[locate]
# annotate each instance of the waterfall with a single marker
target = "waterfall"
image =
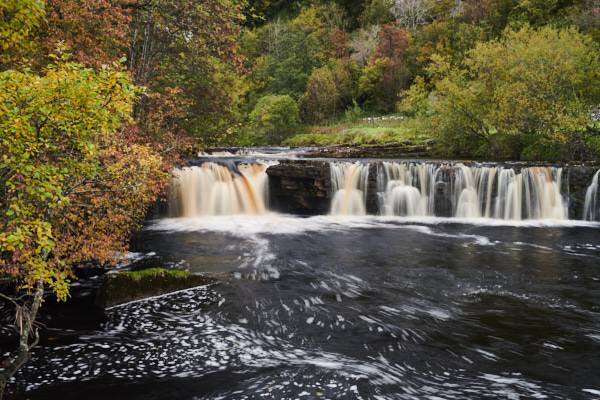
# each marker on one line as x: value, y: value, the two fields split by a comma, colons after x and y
x: 349, y: 185
x: 591, y: 212
x: 408, y: 189
x: 213, y: 189
x: 412, y: 189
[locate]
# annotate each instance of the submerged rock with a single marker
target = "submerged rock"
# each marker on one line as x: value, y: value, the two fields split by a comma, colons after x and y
x: 123, y: 287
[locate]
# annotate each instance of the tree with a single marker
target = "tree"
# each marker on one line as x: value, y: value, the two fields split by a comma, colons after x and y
x: 412, y: 13
x: 74, y: 181
x: 186, y: 53
x: 586, y: 16
x: 363, y: 44
x: 289, y: 68
x: 320, y: 20
x: 93, y: 31
x: 321, y: 99
x: 526, y: 95
x: 387, y: 75
x: 377, y: 12
x: 269, y: 10
x: 18, y: 18
x: 327, y: 23
x: 274, y: 117
x: 492, y: 15
x: 450, y: 39
x: 330, y: 91
x: 338, y: 46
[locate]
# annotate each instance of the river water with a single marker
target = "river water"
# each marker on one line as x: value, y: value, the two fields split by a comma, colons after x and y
x: 344, y: 308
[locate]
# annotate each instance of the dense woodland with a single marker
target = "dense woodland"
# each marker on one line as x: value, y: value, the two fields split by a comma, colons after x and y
x: 486, y: 78
x: 99, y: 99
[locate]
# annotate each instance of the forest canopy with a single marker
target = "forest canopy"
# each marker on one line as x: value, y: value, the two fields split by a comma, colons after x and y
x: 206, y: 65
x: 483, y: 78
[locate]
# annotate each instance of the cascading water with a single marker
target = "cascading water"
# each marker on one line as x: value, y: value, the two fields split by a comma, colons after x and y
x: 411, y: 189
x: 349, y: 184
x: 408, y: 189
x: 591, y: 211
x: 213, y: 189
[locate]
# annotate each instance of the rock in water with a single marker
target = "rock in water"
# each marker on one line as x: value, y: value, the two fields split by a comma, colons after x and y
x: 123, y: 287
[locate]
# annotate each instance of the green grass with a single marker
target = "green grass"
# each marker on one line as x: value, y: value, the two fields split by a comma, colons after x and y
x: 381, y: 130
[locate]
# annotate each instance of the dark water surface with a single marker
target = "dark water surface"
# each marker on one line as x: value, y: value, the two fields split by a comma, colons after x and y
x: 345, y: 308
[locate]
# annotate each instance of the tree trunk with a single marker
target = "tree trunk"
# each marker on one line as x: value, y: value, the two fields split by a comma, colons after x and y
x: 23, y: 352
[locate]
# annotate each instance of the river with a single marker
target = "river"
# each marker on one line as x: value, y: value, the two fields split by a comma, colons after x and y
x: 343, y: 307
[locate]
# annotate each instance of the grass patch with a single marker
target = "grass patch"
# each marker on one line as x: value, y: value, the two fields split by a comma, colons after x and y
x: 377, y: 130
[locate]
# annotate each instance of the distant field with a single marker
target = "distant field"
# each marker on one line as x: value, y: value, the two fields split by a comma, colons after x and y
x: 385, y: 129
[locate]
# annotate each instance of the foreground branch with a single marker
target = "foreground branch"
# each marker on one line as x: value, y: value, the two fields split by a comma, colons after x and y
x: 23, y: 352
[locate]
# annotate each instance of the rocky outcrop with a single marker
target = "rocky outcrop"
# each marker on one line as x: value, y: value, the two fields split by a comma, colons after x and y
x: 389, y: 150
x: 578, y: 179
x: 304, y: 187
x: 127, y: 286
x: 300, y: 187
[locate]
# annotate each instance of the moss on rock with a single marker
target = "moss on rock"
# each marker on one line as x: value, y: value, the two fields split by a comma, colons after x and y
x: 127, y: 286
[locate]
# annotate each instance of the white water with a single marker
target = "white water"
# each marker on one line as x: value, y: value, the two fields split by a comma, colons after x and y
x: 407, y: 189
x: 473, y: 192
x: 213, y: 190
x: 349, y: 184
x: 590, y: 208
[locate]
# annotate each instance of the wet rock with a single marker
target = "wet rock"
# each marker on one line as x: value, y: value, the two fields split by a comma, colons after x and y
x: 578, y: 178
x: 389, y: 150
x: 300, y: 187
x: 127, y: 286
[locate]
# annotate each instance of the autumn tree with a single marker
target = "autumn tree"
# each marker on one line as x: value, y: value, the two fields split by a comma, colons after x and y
x: 18, y: 19
x: 185, y: 53
x: 527, y: 95
x: 75, y: 183
x: 74, y: 180
x: 330, y: 91
x: 338, y: 45
x: 93, y: 31
x: 387, y: 74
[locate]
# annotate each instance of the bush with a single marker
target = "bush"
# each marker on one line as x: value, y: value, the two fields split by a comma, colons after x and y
x: 354, y: 113
x: 528, y: 95
x: 274, y: 117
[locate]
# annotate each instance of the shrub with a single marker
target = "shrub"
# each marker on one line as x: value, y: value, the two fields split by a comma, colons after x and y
x: 274, y: 117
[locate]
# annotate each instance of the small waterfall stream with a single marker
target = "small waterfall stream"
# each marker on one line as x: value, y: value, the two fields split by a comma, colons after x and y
x: 406, y: 189
x: 212, y: 189
x: 349, y: 185
x: 591, y: 211
x: 413, y: 189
